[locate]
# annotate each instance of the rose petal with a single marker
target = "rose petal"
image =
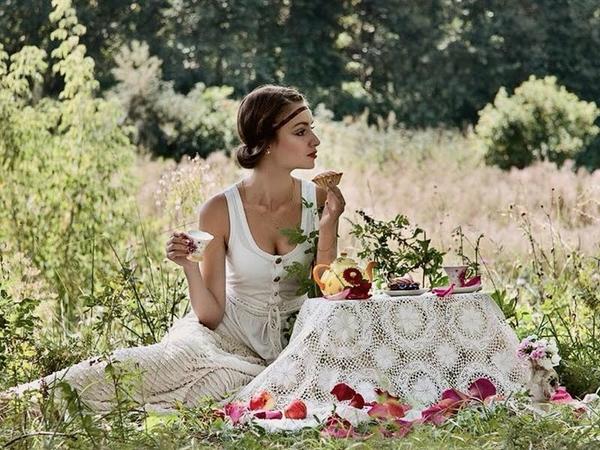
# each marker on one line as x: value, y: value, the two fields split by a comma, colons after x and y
x: 561, y: 396
x: 339, y: 296
x: 357, y: 401
x: 384, y: 395
x: 482, y: 388
x: 454, y: 395
x: 337, y: 427
x: 268, y: 414
x: 390, y: 409
x: 343, y: 392
x: 472, y: 281
x: 443, y: 292
x: 433, y: 414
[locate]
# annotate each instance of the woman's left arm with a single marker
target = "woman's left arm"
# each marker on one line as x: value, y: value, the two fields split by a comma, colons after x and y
x: 333, y: 204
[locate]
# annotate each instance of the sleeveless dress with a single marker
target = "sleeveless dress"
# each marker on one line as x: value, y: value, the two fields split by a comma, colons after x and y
x: 192, y: 362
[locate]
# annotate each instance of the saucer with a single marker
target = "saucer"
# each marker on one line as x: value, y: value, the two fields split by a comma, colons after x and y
x: 406, y: 293
x: 465, y: 290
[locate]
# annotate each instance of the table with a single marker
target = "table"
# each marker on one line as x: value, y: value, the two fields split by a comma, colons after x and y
x: 414, y: 347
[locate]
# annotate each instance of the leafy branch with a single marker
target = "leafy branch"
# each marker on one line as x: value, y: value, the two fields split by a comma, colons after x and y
x: 396, y: 249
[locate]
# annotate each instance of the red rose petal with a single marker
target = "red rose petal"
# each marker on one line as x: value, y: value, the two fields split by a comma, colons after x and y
x: 343, y: 392
x: 357, y: 401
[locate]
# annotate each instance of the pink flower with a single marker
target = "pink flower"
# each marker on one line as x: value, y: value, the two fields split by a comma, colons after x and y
x: 234, y: 411
x: 538, y: 353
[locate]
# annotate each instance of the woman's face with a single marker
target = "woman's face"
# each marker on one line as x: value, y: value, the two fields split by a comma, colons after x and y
x: 295, y: 146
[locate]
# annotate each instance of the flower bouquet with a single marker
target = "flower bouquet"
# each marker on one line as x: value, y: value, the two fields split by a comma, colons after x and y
x: 541, y: 352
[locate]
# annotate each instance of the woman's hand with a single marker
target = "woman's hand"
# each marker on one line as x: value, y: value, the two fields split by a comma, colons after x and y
x: 178, y: 247
x: 333, y: 208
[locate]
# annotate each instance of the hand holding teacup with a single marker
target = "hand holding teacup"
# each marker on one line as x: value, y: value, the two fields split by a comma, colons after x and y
x: 187, y: 248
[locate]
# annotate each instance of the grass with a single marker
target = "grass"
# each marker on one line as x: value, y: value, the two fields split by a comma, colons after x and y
x: 541, y: 235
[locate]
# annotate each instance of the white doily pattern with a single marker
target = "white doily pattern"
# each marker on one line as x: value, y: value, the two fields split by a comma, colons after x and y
x: 414, y: 347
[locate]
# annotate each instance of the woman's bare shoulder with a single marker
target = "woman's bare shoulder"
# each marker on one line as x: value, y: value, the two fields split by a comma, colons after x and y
x: 214, y: 216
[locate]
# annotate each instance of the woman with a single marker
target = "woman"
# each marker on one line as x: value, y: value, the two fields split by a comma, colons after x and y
x: 239, y: 293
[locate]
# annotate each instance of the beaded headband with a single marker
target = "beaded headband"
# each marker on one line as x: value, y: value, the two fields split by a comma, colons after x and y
x: 290, y: 117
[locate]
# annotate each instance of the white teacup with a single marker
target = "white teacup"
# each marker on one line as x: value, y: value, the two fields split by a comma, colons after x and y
x: 455, y: 273
x: 201, y: 239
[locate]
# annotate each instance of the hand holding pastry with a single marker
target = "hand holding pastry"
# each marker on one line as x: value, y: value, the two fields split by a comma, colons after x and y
x: 335, y: 203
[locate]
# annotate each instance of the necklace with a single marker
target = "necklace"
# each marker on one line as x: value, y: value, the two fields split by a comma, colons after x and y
x: 269, y: 216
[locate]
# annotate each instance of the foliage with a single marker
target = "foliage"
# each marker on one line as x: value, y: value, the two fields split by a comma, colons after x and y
x: 396, y: 249
x: 557, y: 294
x: 165, y: 122
x: 302, y: 273
x: 65, y: 164
x: 432, y: 63
x: 541, y: 121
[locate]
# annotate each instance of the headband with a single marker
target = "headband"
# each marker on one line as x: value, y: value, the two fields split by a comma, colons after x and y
x: 290, y: 117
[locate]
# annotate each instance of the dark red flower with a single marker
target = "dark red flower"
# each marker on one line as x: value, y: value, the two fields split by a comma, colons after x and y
x: 353, y: 276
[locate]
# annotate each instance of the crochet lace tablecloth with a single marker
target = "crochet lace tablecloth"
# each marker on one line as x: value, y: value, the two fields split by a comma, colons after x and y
x: 414, y: 347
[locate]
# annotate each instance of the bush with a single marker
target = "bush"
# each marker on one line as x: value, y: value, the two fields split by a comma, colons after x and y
x: 541, y: 121
x: 166, y: 122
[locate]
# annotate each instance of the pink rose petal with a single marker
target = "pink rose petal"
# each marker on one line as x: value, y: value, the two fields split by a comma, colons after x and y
x: 337, y: 427
x: 268, y: 414
x: 339, y: 296
x: 443, y: 292
x: 482, y: 388
x: 472, y: 281
x: 561, y: 396
x: 453, y: 394
x: 433, y: 414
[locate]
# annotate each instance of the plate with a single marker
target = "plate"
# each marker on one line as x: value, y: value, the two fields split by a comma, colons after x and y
x: 406, y: 293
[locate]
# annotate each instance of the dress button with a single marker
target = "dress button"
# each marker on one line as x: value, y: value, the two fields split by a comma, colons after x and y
x: 275, y: 294
x: 276, y: 279
x: 278, y: 260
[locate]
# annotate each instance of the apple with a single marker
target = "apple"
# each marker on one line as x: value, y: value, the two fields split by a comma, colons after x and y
x: 295, y: 410
x: 262, y: 400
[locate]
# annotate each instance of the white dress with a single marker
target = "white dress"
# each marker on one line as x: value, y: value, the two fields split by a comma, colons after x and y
x: 192, y: 361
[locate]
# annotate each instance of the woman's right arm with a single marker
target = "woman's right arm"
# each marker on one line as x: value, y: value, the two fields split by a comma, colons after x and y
x: 206, y: 282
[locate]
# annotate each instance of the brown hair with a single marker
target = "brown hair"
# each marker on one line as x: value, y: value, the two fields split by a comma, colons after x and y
x: 256, y: 120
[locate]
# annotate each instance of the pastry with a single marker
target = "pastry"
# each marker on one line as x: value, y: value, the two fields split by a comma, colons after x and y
x: 327, y: 179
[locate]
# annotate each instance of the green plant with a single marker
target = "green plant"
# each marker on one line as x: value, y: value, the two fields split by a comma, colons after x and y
x: 302, y: 273
x: 473, y: 266
x: 397, y: 249
x: 66, y: 164
x: 541, y: 121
